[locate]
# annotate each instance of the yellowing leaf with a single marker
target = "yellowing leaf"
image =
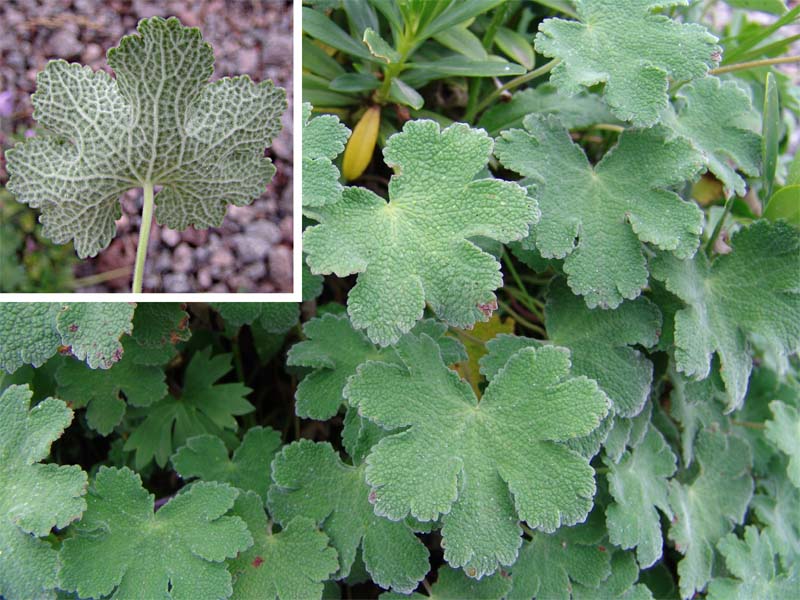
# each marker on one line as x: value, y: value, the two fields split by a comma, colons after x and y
x: 473, y: 341
x: 361, y: 145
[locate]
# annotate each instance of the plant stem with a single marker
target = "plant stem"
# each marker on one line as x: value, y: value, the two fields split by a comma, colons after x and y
x: 514, y: 83
x: 144, y: 238
x: 509, y: 262
x: 100, y: 277
x: 754, y: 64
x: 393, y: 70
x: 522, y: 320
x: 608, y: 127
x: 719, y: 225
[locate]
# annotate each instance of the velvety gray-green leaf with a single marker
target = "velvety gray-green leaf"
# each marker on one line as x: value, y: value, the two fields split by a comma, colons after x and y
x: 597, y: 217
x: 157, y: 122
x: 632, y: 50
x: 414, y: 249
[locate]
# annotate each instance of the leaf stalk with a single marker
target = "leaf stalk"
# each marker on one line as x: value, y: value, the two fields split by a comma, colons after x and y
x: 144, y: 238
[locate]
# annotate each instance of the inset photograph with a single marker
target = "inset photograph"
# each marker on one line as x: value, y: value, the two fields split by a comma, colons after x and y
x: 147, y: 147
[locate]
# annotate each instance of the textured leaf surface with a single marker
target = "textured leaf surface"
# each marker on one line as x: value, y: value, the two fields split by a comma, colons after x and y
x: 414, y: 248
x: 784, y: 431
x: 597, y: 217
x: 601, y: 344
x: 334, y: 350
x: 206, y: 457
x: 31, y: 332
x: 105, y: 391
x: 35, y: 497
x: 293, y: 563
x: 122, y: 546
x: 579, y: 111
x: 754, y: 290
x: 632, y: 50
x: 777, y: 506
x: 160, y: 122
x: 638, y: 485
x: 274, y: 317
x: 752, y: 561
x: 157, y: 328
x: 621, y: 584
x: 324, y: 138
x: 482, y: 466
x: 453, y: 584
x: 707, y: 509
x: 713, y: 117
x: 548, y: 566
x: 312, y: 481
x: 203, y: 407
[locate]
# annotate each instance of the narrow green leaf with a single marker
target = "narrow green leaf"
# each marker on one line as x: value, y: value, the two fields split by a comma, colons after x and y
x: 380, y: 48
x: 775, y: 7
x: 322, y: 28
x: 360, y: 15
x: 515, y: 46
x: 465, y: 67
x: 402, y: 93
x: 458, y: 12
x: 317, y: 61
x: 771, y: 134
x: 355, y: 82
x: 462, y: 40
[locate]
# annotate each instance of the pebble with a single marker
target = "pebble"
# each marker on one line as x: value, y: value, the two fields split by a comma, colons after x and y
x: 183, y: 259
x: 177, y: 282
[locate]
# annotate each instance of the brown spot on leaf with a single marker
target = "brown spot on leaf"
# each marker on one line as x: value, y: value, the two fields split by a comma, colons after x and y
x: 488, y: 308
x: 258, y: 561
x: 73, y: 328
x: 373, y: 496
x: 65, y: 350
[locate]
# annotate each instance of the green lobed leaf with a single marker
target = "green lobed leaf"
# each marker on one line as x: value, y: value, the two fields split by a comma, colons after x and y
x: 206, y: 457
x: 481, y: 467
x: 324, y: 138
x: 106, y: 392
x: 292, y: 563
x: 414, y: 248
x: 32, y: 332
x: 548, y: 565
x: 638, y: 485
x: 708, y: 508
x: 752, y: 561
x: 274, y: 317
x: 453, y: 584
x: 157, y: 328
x: 712, y: 117
x: 581, y: 110
x: 753, y: 291
x: 158, y: 122
x: 122, y: 546
x: 203, y: 407
x: 632, y: 50
x: 312, y: 481
x: 777, y: 506
x: 596, y: 218
x: 35, y: 497
x: 334, y: 350
x: 784, y: 431
x: 621, y: 584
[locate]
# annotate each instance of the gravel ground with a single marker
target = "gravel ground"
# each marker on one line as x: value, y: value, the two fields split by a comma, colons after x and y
x: 252, y: 250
